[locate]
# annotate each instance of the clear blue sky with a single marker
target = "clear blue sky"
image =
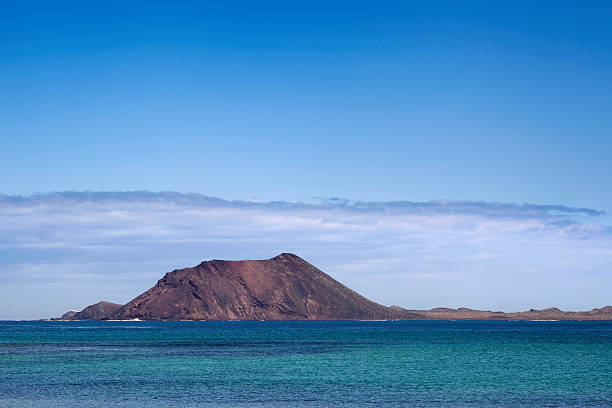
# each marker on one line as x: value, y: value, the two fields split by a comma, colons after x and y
x: 497, y: 101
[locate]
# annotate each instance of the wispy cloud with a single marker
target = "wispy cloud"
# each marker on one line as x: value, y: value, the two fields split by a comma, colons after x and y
x: 79, y: 247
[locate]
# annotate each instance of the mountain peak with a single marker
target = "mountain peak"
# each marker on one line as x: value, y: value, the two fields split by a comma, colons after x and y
x: 287, y: 255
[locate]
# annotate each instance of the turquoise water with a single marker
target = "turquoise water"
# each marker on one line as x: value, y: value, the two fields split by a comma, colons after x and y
x: 306, y: 364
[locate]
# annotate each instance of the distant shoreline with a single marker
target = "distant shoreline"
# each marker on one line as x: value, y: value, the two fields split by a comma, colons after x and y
x: 603, y: 319
x: 283, y: 288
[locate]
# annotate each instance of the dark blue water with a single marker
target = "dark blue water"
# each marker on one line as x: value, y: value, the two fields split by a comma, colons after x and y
x: 306, y: 364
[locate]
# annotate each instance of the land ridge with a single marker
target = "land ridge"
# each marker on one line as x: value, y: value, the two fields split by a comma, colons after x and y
x: 285, y: 287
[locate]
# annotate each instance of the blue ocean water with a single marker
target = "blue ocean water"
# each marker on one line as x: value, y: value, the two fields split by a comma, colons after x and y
x: 306, y: 364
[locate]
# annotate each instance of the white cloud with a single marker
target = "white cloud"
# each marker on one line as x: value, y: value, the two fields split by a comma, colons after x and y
x: 81, y: 247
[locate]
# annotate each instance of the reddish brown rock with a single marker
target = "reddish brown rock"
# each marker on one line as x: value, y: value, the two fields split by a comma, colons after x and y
x: 99, y: 311
x: 68, y: 315
x: 285, y: 287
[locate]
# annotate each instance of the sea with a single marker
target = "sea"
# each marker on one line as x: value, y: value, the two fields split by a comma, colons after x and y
x: 306, y: 364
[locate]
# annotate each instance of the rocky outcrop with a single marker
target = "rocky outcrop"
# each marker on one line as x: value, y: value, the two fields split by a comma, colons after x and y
x: 68, y: 315
x: 99, y: 311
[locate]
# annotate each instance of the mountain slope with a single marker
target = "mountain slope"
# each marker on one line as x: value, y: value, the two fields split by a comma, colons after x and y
x: 285, y: 287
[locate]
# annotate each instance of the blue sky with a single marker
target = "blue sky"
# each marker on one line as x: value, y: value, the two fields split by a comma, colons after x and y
x: 495, y: 102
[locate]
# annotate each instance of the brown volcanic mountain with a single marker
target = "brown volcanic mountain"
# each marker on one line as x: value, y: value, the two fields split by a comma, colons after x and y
x: 285, y: 287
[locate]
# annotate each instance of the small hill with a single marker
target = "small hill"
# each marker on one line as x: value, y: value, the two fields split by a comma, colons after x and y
x: 99, y: 311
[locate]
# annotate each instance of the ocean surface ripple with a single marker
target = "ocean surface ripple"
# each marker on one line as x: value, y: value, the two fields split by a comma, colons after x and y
x: 306, y: 364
